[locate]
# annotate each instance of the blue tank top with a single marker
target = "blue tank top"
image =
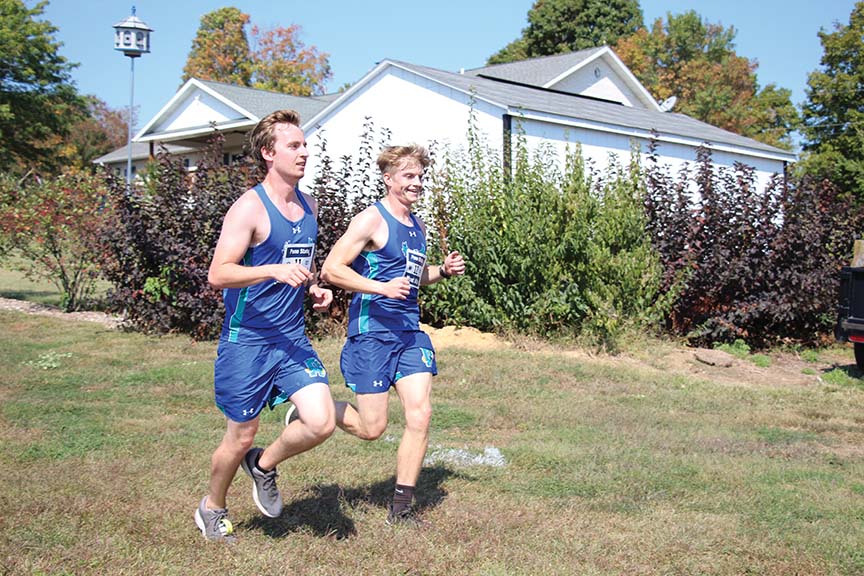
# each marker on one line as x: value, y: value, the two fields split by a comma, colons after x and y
x: 270, y: 312
x: 403, y: 255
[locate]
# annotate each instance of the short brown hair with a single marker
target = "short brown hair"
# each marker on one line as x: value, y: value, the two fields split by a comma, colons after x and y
x: 264, y: 133
x: 392, y: 156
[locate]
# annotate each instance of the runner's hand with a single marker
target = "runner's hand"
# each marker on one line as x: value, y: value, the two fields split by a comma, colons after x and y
x: 292, y: 274
x: 397, y: 288
x: 453, y: 264
x: 321, y: 297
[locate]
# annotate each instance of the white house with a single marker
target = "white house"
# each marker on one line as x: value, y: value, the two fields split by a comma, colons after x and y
x: 587, y: 97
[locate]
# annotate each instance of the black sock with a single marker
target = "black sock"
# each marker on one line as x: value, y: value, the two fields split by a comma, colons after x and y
x: 402, y: 497
x: 258, y: 466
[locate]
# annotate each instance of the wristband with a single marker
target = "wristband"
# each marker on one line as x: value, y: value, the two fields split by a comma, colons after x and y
x: 443, y: 272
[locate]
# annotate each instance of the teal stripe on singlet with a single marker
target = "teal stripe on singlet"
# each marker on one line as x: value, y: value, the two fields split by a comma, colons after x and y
x: 366, y: 299
x: 237, y: 317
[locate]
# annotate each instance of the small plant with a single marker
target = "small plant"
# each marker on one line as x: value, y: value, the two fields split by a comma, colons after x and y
x: 52, y: 226
x: 49, y: 360
x: 739, y: 348
x: 840, y: 377
x: 810, y: 355
x: 761, y: 360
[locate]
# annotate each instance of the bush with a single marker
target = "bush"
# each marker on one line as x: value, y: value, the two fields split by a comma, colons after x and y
x: 162, y: 240
x: 760, y: 266
x: 548, y: 253
x: 54, y: 225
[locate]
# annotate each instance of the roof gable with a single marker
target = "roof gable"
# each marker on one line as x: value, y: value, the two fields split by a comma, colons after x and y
x: 595, y: 72
x: 200, y: 106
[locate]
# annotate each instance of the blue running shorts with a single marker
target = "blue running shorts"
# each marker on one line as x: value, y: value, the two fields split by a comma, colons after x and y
x: 248, y: 377
x: 373, y: 362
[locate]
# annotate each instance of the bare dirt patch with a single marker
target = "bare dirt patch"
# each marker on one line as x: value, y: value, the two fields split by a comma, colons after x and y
x: 786, y: 368
x: 464, y: 337
x: 106, y: 320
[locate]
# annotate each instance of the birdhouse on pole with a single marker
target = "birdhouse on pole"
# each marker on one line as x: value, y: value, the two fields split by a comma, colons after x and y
x: 132, y: 36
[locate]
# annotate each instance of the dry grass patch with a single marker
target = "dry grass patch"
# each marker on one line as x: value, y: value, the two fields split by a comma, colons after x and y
x: 611, y: 466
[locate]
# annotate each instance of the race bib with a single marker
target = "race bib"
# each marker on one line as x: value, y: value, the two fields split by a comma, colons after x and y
x: 415, y: 262
x: 298, y: 254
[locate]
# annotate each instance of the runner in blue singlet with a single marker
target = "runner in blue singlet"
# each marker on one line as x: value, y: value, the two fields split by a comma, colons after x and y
x: 381, y: 258
x: 264, y: 264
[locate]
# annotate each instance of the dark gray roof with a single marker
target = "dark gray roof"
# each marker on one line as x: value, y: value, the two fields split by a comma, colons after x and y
x: 529, y: 98
x: 536, y: 71
x: 140, y: 150
x: 262, y: 102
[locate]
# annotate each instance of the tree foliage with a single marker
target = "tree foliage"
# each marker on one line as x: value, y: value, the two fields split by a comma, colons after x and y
x: 220, y: 50
x: 97, y: 132
x: 696, y: 62
x: 560, y: 26
x: 834, y: 110
x: 38, y: 101
x: 282, y: 63
x: 53, y: 225
x: 275, y: 59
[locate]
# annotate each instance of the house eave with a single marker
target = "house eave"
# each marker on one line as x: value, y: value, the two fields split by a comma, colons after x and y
x: 643, y: 94
x: 195, y: 132
x: 189, y: 86
x: 648, y: 135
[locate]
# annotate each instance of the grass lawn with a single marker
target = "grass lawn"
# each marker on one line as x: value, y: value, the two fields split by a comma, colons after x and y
x: 14, y: 284
x: 605, y: 468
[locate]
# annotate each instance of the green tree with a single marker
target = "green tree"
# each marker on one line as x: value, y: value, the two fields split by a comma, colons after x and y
x: 38, y: 101
x: 277, y: 59
x: 560, y: 26
x: 834, y: 110
x: 220, y: 50
x: 696, y: 62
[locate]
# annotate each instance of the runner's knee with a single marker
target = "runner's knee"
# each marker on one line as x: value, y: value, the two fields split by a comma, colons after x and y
x: 419, y: 417
x: 321, y: 425
x: 374, y: 430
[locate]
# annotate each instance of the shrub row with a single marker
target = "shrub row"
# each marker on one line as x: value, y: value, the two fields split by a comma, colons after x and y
x: 550, y: 251
x: 743, y: 263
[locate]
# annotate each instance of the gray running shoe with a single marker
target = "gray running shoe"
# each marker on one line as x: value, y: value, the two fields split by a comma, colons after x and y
x: 291, y: 415
x: 264, y: 490
x: 214, y: 524
x: 405, y: 517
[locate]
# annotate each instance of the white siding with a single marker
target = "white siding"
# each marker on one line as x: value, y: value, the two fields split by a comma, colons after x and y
x: 601, y: 147
x: 413, y: 109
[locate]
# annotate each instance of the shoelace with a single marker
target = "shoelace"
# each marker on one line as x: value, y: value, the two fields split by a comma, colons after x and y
x: 221, y: 523
x: 269, y: 482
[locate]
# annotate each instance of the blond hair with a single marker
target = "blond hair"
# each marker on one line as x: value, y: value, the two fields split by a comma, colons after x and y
x: 263, y: 136
x: 392, y: 157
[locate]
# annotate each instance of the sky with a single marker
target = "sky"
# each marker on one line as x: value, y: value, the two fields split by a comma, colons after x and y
x: 781, y: 35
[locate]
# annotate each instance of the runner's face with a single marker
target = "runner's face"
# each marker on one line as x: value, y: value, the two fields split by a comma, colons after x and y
x: 406, y: 183
x: 289, y: 152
